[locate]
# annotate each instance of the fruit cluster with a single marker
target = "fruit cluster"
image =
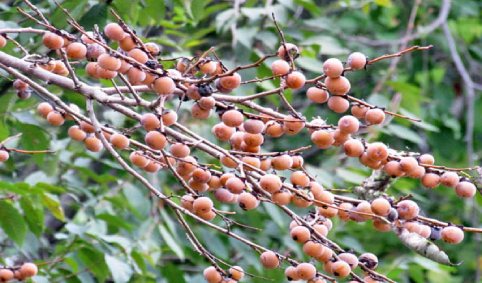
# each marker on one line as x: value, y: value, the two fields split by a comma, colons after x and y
x: 23, y: 272
x: 249, y: 175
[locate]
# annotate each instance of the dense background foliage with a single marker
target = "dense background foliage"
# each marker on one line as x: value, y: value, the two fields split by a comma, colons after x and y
x: 84, y: 219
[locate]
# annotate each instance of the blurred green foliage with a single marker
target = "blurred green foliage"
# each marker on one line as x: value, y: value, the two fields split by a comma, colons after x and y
x: 89, y: 221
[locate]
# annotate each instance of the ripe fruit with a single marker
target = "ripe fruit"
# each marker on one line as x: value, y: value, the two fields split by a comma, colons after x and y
x: 76, y: 50
x: 333, y: 68
x: 408, y: 164
x: 377, y: 151
x: 164, y: 86
x: 282, y: 162
x: 155, y: 140
x: 306, y: 271
x: 297, y: 161
x: 127, y: 43
x: 343, y: 212
x: 187, y: 201
x: 274, y: 129
x: 55, y: 118
x: 381, y: 206
x: 230, y: 82
x: 313, y: 249
x: 452, y: 235
x: 109, y: 62
x: 235, y: 185
x: 114, y: 32
x: 281, y: 197
x: 136, y: 76
x: 338, y: 104
x: 300, y: 234
x: 4, y: 155
x: 104, y: 73
x: 44, y: 108
x: 153, y: 48
x: 269, y: 260
x: 295, y: 80
x: 152, y: 167
x: 288, y: 50
x: 359, y: 111
x: 393, y: 169
x: 119, y: 141
x: 253, y: 126
x: 91, y: 69
x: 326, y: 255
x: 212, y: 275
x: 93, y: 144
x: 299, y: 178
x: 6, y: 275
x: 353, y: 148
x: 150, y: 122
x: 28, y: 269
x: 271, y: 183
x: 199, y: 113
x: 291, y: 273
x: 375, y: 116
x: 361, y: 211
x: 407, y: 209
x: 426, y: 159
x: 76, y: 133
x: 94, y: 50
x: 138, y: 159
x: 338, y: 86
x: 369, y: 260
x: 202, y: 205
x: 138, y: 55
x: 53, y: 41
x: 222, y: 132
x: 340, y: 269
x: 449, y: 179
x: 418, y: 172
x: 180, y: 150
x: 317, y: 95
x: 247, y: 201
x: 3, y: 41
x: 293, y: 125
x: 322, y: 138
x: 60, y: 68
x: 253, y: 139
x: 348, y: 124
x: 208, y: 216
x: 357, y: 60
x: 169, y: 118
x: 381, y: 226
x: 200, y: 175
x: 349, y: 258
x: 430, y: 180
x: 465, y: 189
x: 280, y: 67
x: 236, y: 272
x: 232, y: 118
x: 20, y: 85
x: 208, y: 67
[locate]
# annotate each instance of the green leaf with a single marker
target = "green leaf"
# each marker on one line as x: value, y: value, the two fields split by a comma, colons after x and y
x: 171, y: 242
x: 53, y: 204
x: 173, y: 274
x: 384, y: 3
x: 404, y: 133
x: 94, y: 261
x: 121, y: 272
x: 12, y: 222
x: 96, y: 15
x: 34, y: 214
